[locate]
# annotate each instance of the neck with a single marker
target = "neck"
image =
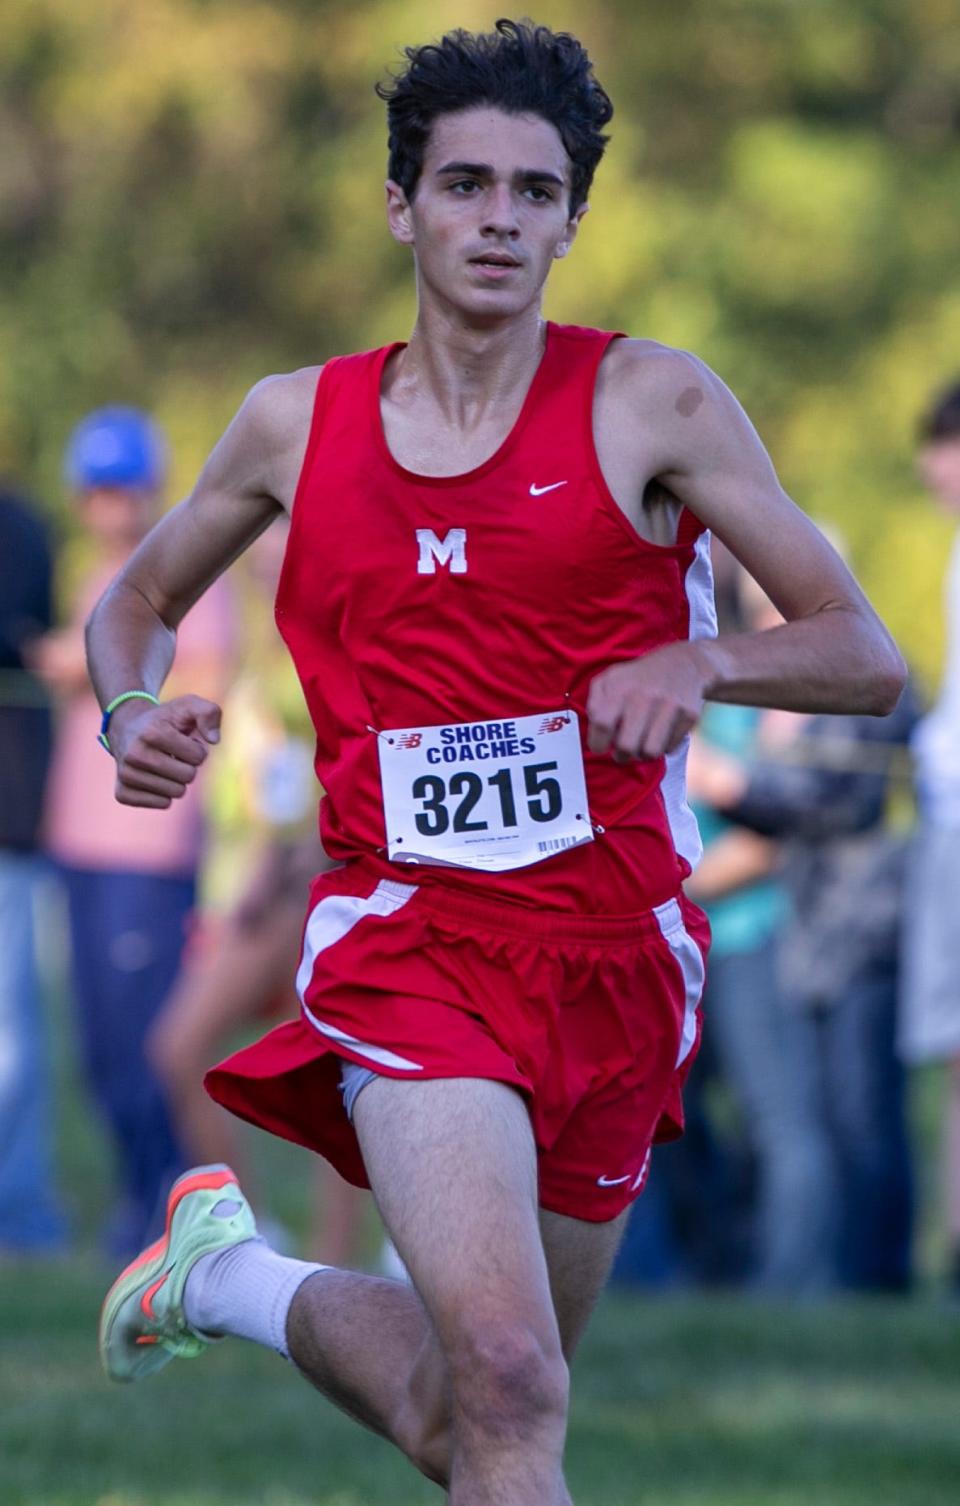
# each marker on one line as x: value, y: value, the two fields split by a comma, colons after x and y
x: 464, y: 366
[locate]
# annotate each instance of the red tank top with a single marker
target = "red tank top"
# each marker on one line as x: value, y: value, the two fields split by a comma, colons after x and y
x: 551, y: 585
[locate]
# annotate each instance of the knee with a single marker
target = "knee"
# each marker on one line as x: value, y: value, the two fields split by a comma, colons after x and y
x: 507, y: 1380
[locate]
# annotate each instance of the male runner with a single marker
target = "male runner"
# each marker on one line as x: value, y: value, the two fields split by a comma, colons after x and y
x: 496, y: 591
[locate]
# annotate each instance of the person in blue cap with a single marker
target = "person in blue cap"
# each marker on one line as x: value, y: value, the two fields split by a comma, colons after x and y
x: 129, y: 879
x: 116, y: 449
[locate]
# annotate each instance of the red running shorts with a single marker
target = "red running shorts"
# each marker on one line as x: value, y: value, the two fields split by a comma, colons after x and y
x: 595, y: 1021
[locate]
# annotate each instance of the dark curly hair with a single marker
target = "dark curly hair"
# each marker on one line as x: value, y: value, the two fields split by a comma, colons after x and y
x: 520, y: 68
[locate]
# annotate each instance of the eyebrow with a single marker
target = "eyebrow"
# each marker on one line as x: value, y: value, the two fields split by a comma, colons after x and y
x: 484, y: 170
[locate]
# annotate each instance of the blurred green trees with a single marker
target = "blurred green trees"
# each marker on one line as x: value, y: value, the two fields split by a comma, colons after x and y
x: 191, y: 196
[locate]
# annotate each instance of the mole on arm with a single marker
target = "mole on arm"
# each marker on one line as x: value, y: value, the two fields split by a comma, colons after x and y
x: 689, y: 401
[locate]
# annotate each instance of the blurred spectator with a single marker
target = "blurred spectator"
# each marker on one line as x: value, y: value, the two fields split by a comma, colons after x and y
x: 823, y: 793
x: 30, y: 1220
x: 753, y: 1035
x: 130, y: 875
x: 743, y: 1195
x: 930, y: 1026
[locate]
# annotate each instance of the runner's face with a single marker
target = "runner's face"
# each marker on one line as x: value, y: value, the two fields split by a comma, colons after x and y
x: 490, y: 213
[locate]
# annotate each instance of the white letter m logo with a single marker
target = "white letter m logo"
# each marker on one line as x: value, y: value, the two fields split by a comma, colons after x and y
x: 452, y: 550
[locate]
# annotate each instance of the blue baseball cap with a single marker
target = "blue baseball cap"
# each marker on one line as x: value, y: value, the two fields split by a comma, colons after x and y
x: 115, y: 447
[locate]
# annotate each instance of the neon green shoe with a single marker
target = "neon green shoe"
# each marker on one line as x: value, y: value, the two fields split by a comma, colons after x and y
x: 142, y: 1324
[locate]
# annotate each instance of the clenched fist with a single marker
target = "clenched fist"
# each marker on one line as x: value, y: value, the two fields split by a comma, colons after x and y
x: 645, y: 708
x: 158, y: 749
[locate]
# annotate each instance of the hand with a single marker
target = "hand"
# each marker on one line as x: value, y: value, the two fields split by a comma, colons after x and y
x: 158, y: 749
x: 645, y: 708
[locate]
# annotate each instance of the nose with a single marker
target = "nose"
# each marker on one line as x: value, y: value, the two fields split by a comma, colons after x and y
x: 500, y: 213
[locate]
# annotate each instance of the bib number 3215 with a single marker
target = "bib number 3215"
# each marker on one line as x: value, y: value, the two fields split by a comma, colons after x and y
x: 494, y: 795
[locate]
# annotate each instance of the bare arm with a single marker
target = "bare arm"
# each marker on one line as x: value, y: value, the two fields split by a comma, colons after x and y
x: 831, y: 655
x: 248, y: 481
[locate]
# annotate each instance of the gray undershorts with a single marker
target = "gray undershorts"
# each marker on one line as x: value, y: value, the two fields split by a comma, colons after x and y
x: 353, y: 1080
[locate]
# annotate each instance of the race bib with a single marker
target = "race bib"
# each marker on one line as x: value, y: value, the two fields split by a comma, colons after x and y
x: 493, y: 795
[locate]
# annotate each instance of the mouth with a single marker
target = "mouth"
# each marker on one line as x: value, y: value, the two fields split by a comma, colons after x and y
x: 495, y: 263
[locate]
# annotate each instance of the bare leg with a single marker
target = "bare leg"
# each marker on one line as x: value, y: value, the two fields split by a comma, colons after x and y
x: 367, y: 1344
x: 370, y: 1346
x: 454, y: 1173
x: 580, y: 1256
x: 453, y: 1168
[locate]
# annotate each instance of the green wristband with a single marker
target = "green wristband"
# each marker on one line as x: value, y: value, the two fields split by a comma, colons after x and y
x: 118, y: 700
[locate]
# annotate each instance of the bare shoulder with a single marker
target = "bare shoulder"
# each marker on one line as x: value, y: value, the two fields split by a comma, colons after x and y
x: 267, y: 439
x: 281, y: 404
x: 659, y: 377
x: 684, y: 408
x: 278, y: 410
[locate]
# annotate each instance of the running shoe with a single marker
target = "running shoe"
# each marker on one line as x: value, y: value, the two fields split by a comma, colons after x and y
x: 142, y: 1324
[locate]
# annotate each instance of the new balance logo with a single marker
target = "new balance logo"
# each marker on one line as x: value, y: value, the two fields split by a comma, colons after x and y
x: 450, y: 550
x: 410, y: 740
x: 552, y: 724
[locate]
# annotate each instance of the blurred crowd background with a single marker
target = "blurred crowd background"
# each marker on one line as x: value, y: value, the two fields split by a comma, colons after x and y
x: 190, y: 198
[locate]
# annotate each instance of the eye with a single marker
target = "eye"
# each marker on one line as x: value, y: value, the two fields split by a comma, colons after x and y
x: 464, y: 186
x: 539, y: 194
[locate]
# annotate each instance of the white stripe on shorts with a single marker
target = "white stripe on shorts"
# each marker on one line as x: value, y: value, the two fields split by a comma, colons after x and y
x: 332, y: 919
x: 687, y: 953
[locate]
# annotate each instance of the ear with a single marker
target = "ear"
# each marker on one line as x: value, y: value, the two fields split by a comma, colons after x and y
x: 399, y: 217
x: 570, y: 233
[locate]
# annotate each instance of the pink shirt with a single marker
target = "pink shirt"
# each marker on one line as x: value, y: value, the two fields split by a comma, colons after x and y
x: 85, y: 827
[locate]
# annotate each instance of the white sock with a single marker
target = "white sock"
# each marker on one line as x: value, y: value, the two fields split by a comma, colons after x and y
x: 245, y: 1290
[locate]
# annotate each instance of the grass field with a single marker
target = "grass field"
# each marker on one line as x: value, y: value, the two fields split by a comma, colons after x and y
x: 679, y: 1401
